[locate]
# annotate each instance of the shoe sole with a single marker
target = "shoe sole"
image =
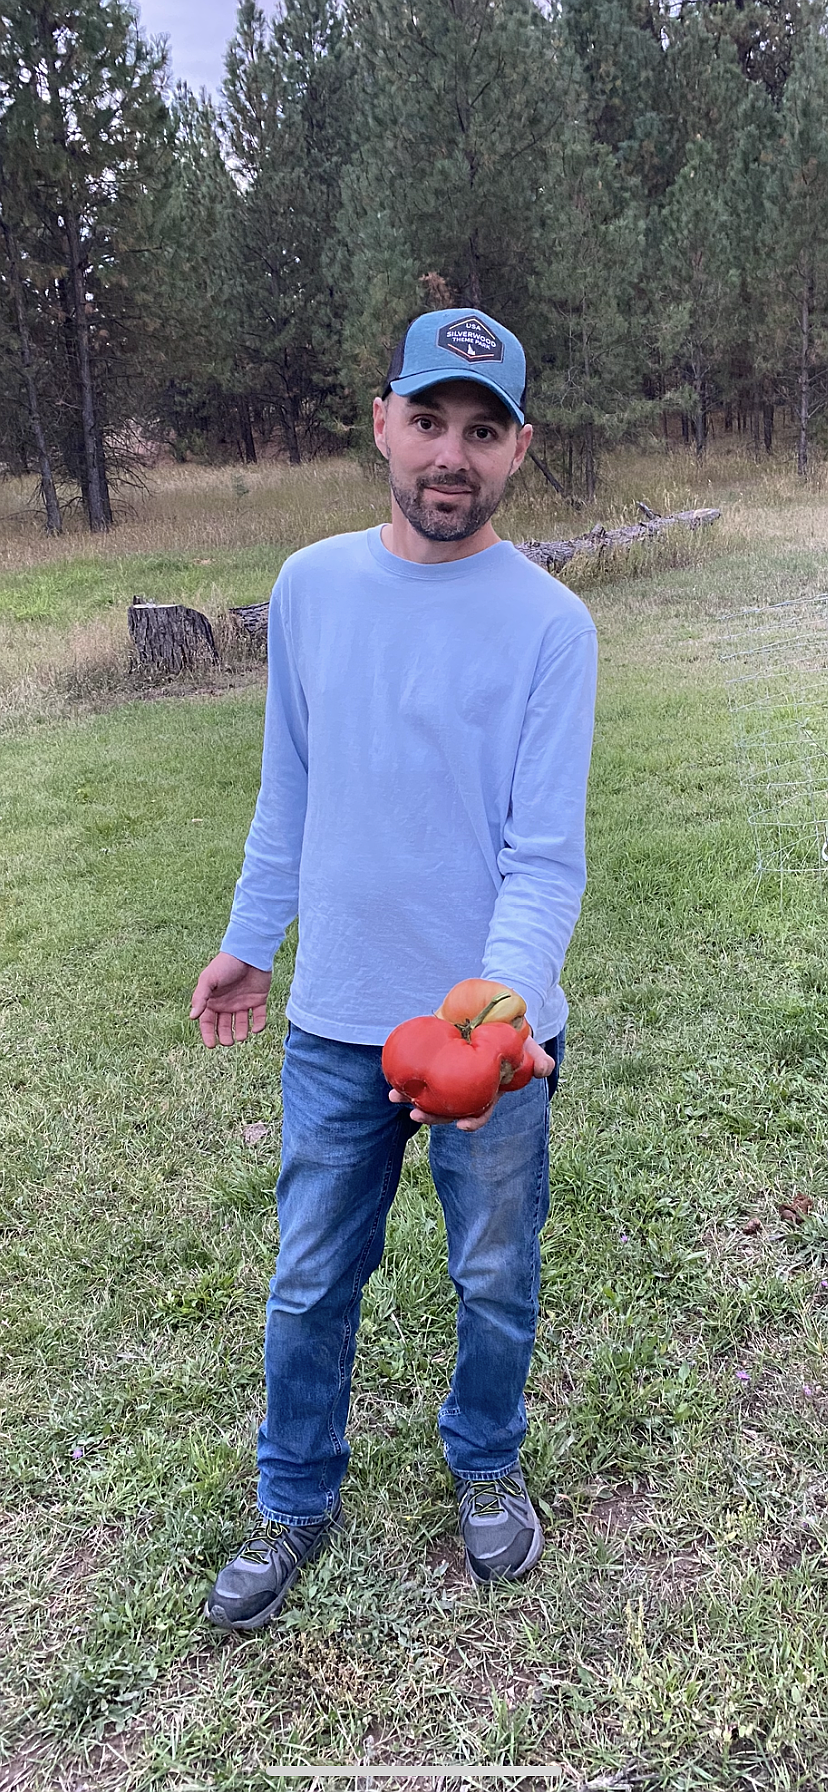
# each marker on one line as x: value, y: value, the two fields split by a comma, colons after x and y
x: 533, y: 1556
x: 218, y: 1616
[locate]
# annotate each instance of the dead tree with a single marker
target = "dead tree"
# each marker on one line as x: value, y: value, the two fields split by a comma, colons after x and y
x: 553, y: 554
x: 251, y: 619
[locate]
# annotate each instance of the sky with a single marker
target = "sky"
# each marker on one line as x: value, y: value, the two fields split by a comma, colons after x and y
x: 198, y: 30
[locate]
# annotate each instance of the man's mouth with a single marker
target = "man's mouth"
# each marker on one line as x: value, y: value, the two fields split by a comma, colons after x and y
x: 449, y: 491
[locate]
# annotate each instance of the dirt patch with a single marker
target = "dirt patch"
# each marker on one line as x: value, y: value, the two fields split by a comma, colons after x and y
x: 620, y: 1513
x: 445, y: 1557
x: 677, y: 1572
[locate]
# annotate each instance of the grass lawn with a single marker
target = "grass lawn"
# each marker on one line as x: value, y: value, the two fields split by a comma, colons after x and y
x: 674, y: 1636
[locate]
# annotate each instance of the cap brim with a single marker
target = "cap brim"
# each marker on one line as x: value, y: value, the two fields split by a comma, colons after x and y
x: 412, y: 383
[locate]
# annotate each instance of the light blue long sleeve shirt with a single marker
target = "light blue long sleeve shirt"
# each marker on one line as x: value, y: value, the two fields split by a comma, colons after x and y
x: 426, y: 748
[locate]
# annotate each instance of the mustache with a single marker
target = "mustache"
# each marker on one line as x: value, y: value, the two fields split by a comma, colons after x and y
x: 450, y: 482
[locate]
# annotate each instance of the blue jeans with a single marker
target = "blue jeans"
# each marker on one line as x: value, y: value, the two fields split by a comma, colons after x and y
x: 342, y: 1151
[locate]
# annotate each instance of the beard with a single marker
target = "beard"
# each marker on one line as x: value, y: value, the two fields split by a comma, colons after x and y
x: 443, y: 521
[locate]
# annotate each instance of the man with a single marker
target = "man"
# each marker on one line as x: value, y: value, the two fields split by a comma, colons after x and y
x: 427, y: 738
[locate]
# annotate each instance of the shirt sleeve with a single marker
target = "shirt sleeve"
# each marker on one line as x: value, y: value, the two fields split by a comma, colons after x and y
x: 543, y: 859
x: 267, y: 893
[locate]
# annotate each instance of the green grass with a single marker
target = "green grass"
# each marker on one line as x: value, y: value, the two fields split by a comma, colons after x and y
x: 80, y: 589
x: 678, y: 1398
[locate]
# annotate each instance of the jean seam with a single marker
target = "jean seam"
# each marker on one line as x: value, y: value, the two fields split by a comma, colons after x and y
x: 303, y: 1523
x: 337, y: 1442
x: 490, y: 1474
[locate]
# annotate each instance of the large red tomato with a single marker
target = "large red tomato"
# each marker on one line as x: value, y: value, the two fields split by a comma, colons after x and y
x: 430, y: 1061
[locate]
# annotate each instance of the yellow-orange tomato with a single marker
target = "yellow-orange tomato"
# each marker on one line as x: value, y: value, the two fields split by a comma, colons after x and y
x: 478, y: 1000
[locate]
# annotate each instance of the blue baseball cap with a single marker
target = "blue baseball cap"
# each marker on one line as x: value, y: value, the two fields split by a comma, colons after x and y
x: 459, y: 345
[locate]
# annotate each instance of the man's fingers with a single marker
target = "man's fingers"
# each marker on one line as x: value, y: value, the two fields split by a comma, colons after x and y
x: 207, y: 1028
x: 224, y: 1027
x: 542, y: 1064
x: 259, y: 1017
x: 474, y: 1125
x: 241, y: 1025
x: 201, y: 995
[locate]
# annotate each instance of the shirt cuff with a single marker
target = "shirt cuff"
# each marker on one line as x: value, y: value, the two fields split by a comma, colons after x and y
x: 247, y: 946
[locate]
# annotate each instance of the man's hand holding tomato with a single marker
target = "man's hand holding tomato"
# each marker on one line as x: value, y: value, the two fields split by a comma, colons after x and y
x: 442, y: 1062
x: 543, y: 1066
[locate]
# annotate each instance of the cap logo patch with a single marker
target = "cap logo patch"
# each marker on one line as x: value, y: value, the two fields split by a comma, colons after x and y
x: 471, y: 339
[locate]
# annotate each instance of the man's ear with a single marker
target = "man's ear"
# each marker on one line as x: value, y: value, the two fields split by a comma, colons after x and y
x: 380, y: 421
x: 522, y: 446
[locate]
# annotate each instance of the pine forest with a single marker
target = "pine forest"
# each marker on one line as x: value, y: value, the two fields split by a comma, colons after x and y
x: 638, y: 188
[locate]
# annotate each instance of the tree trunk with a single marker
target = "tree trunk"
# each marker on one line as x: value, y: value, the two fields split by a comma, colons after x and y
x: 287, y: 412
x: 728, y: 418
x: 97, y: 494
x: 589, y: 462
x: 54, y: 522
x: 699, y: 419
x: 767, y: 425
x: 685, y: 427
x: 589, y: 430
x: 105, y: 499
x: 538, y: 461
x: 804, y: 379
x: 246, y: 430
x: 601, y: 541
x: 754, y: 425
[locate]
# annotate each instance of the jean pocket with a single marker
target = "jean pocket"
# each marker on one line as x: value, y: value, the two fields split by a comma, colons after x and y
x: 555, y: 1048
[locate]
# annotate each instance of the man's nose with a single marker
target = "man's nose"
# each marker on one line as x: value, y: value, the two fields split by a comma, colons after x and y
x: 452, y: 451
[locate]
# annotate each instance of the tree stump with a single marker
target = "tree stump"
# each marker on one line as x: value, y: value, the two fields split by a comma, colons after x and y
x: 169, y: 637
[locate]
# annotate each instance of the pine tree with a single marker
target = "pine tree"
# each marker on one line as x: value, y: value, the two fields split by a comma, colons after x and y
x: 89, y: 145
x: 800, y: 205
x: 21, y: 354
x: 287, y: 116
x: 198, y: 395
x: 583, y: 333
x: 458, y: 103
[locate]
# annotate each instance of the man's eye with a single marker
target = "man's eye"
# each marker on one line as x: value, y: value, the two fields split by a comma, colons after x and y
x: 424, y: 422
x: 483, y: 433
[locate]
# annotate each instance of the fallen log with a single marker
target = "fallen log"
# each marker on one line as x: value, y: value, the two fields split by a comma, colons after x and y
x: 169, y: 637
x: 553, y: 554
x: 251, y: 621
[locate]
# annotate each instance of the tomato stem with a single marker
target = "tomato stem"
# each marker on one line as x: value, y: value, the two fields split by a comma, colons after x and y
x: 466, y: 1027
x: 490, y: 1005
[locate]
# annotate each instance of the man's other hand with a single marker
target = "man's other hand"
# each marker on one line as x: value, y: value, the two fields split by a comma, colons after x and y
x: 230, y: 1000
x: 544, y: 1066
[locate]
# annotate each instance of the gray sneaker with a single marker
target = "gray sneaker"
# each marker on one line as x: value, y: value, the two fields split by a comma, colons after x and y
x: 254, y: 1586
x: 499, y: 1527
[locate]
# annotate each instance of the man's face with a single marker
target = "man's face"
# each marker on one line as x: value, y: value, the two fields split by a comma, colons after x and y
x: 450, y: 452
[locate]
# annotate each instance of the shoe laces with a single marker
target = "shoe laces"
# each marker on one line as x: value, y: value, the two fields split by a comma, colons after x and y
x: 484, y: 1499
x: 258, y: 1547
